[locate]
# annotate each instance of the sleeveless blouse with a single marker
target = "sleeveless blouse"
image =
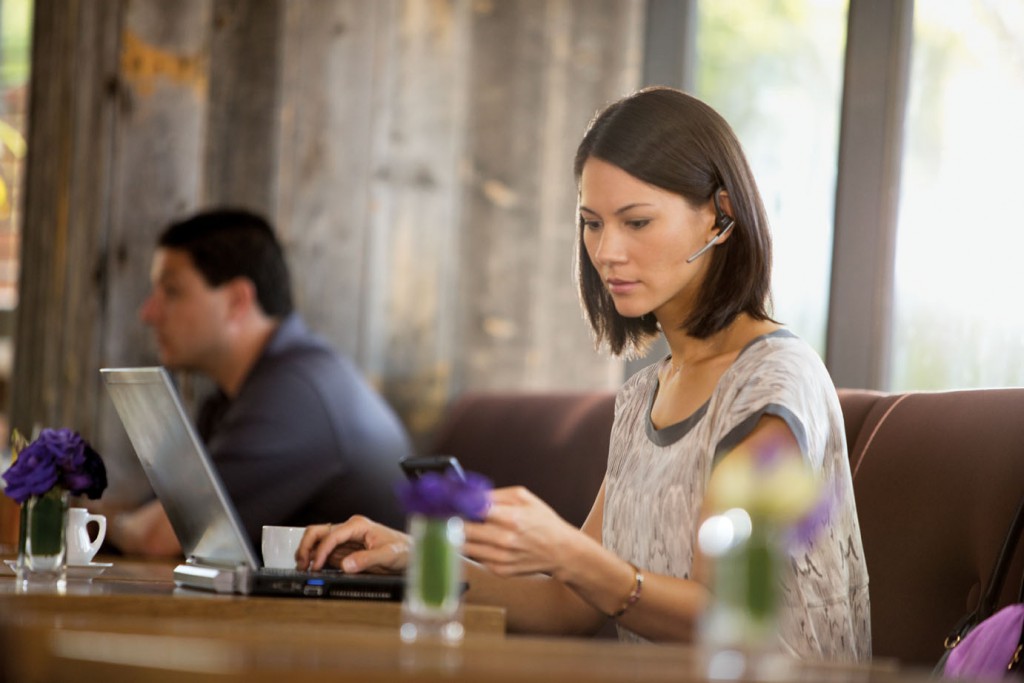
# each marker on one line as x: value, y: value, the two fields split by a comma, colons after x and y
x: 656, y: 480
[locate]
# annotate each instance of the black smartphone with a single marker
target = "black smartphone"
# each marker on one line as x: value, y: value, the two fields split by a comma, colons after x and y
x: 416, y: 465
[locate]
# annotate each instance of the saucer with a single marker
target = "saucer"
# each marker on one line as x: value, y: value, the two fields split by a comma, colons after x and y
x: 87, y: 571
x: 75, y: 571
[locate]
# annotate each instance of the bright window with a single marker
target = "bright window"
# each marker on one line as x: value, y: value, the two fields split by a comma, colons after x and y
x: 774, y: 71
x: 960, y: 241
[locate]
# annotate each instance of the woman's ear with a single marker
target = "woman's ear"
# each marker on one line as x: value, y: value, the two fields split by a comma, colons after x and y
x: 720, y: 230
x: 724, y: 205
x: 724, y: 221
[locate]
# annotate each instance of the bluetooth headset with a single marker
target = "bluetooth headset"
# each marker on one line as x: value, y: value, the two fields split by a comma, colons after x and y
x: 723, y: 222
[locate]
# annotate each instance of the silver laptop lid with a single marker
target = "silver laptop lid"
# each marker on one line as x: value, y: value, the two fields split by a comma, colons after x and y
x: 179, y: 470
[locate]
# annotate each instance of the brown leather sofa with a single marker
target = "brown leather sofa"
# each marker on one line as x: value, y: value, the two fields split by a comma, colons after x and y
x: 937, y: 477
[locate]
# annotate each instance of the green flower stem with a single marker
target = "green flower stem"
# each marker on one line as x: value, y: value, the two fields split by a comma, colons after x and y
x: 22, y: 523
x: 762, y: 573
x: 438, y: 559
x: 748, y: 575
x: 45, y: 532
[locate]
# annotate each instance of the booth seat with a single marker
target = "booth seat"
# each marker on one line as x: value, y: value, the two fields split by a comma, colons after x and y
x: 555, y: 444
x: 937, y: 476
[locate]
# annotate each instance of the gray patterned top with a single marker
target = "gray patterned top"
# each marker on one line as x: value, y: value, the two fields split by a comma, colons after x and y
x: 657, y: 478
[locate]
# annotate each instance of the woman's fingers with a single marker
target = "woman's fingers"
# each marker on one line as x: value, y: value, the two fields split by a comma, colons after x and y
x: 489, y: 554
x: 338, y: 554
x: 511, y: 495
x: 355, y: 546
x: 386, y: 558
x: 517, y: 536
x: 321, y: 541
x: 311, y: 539
x: 512, y: 539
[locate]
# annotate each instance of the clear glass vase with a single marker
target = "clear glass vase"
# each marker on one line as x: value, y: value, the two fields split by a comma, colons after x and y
x: 432, y: 605
x: 740, y: 631
x: 42, y: 546
x: 747, y: 589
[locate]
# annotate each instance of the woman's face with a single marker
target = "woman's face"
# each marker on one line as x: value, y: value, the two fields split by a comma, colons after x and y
x: 638, y: 237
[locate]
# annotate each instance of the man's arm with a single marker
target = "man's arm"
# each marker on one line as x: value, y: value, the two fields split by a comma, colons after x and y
x: 144, y: 531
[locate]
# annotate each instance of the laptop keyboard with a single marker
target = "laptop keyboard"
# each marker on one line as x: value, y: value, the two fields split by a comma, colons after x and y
x: 275, y: 571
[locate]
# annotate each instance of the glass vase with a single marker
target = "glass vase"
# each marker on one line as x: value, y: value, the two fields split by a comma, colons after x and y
x: 42, y: 546
x: 432, y: 604
x: 740, y: 631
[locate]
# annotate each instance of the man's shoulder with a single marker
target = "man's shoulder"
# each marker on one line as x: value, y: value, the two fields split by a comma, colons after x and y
x: 297, y: 351
x: 313, y: 367
x: 311, y: 352
x: 299, y: 369
x: 301, y: 377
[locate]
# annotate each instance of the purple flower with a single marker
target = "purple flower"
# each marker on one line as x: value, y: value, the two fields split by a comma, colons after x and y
x: 770, y: 454
x: 90, y: 478
x: 58, y: 457
x: 32, y: 474
x: 446, y: 495
x: 807, y: 529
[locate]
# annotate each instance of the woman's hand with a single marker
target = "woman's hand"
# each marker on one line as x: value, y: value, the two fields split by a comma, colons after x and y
x: 358, y: 545
x: 519, y: 535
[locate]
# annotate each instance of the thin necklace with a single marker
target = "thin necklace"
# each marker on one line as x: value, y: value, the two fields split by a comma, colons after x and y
x: 715, y: 350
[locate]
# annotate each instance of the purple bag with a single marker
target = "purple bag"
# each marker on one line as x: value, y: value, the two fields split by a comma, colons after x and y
x: 991, y: 649
x: 983, y: 644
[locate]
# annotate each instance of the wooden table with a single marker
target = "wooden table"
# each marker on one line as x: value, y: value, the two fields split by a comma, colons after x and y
x: 145, y: 589
x: 90, y: 647
x: 132, y: 625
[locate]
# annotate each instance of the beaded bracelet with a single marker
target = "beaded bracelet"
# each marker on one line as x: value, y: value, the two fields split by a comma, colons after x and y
x: 634, y: 595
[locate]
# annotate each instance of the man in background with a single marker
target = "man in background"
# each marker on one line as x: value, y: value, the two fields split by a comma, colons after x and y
x: 297, y: 435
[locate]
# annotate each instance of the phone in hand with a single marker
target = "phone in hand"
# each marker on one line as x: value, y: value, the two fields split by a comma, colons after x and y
x: 415, y: 466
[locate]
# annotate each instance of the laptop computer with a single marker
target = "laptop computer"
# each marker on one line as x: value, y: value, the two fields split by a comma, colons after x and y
x: 220, y: 555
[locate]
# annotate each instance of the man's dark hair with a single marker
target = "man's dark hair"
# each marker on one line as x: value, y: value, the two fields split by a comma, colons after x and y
x: 229, y: 243
x: 674, y: 141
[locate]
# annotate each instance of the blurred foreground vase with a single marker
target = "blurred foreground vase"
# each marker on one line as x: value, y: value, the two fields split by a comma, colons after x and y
x: 432, y: 604
x: 748, y: 566
x: 42, y: 546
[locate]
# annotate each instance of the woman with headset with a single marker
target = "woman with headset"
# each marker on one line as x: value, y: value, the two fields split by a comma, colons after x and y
x: 673, y: 240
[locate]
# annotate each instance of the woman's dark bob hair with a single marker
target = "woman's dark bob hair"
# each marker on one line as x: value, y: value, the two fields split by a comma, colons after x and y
x: 676, y: 142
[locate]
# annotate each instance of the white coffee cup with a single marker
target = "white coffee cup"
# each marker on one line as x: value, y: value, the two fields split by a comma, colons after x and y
x: 82, y: 548
x: 280, y: 544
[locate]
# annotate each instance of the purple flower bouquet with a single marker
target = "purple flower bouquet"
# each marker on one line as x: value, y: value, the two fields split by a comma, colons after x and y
x: 446, y: 495
x: 58, y: 463
x: 58, y: 457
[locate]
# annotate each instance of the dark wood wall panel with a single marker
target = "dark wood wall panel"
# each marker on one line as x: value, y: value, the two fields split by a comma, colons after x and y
x: 62, y: 314
x: 326, y: 132
x: 156, y: 173
x: 241, y: 151
x: 409, y: 343
x: 539, y: 73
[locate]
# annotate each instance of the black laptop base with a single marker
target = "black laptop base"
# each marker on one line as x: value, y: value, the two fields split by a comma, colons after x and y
x: 327, y: 584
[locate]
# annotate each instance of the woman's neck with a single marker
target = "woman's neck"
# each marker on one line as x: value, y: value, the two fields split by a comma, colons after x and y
x: 690, y: 376
x: 689, y: 351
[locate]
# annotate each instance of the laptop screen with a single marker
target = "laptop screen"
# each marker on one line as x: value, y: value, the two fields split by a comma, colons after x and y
x: 179, y: 470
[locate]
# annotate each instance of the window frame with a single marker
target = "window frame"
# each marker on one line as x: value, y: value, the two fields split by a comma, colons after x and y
x: 874, y: 101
